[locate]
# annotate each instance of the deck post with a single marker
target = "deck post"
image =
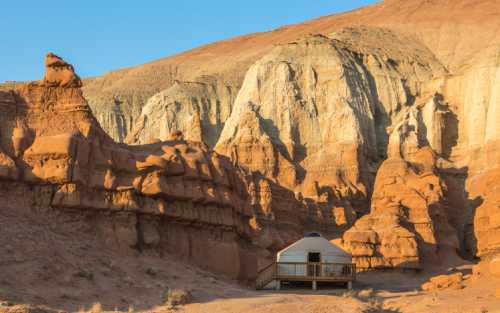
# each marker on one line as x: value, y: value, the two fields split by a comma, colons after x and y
x: 315, y: 287
x: 349, y: 285
x: 278, y: 284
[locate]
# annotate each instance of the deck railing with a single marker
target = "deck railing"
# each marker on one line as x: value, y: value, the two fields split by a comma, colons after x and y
x: 316, y: 271
x: 297, y: 271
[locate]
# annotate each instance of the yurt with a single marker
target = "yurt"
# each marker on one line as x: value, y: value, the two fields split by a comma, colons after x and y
x: 310, y: 259
x: 313, y: 248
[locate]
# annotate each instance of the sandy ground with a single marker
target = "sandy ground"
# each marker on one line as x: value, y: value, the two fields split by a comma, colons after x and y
x: 50, y: 262
x: 383, y: 292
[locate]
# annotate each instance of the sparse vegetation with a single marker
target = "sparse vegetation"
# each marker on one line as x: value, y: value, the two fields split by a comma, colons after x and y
x: 177, y: 297
x: 151, y: 271
x: 366, y: 293
x: 95, y: 308
x: 84, y: 274
x: 349, y: 294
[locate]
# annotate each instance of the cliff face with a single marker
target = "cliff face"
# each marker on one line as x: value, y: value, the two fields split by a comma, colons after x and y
x: 312, y: 113
x: 337, y: 118
x: 455, y: 31
x: 318, y: 116
x: 473, y: 94
x: 172, y: 196
x: 56, y: 154
x: 199, y: 110
x: 386, y: 121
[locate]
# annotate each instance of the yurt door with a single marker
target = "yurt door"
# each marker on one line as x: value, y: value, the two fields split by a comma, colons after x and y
x: 313, y: 260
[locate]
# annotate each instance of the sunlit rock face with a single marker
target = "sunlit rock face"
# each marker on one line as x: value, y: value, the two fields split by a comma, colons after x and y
x: 197, y: 109
x: 473, y: 93
x: 465, y: 30
x: 408, y: 222
x: 326, y: 117
x: 172, y: 195
x: 312, y: 114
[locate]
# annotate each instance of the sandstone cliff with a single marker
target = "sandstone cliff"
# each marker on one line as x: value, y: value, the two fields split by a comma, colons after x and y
x: 173, y: 196
x: 197, y: 109
x: 386, y: 118
x: 326, y: 116
x: 170, y: 196
x: 408, y: 222
x: 312, y: 113
x: 455, y: 31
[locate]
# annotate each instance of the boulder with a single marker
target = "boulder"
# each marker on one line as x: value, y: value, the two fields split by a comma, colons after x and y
x: 494, y: 267
x: 452, y: 281
x: 8, y: 169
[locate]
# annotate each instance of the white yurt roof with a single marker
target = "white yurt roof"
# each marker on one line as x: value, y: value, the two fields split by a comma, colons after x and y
x: 314, y: 244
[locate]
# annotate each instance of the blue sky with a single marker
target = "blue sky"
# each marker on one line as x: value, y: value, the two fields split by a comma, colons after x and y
x: 102, y: 35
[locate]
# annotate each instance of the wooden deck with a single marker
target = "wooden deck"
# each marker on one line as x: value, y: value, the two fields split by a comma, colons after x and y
x: 304, y: 272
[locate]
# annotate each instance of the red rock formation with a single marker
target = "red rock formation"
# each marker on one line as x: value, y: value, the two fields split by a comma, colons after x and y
x: 50, y: 140
x: 451, y: 47
x: 58, y: 73
x: 484, y: 214
x: 460, y: 100
x: 174, y: 196
x: 408, y: 222
x: 452, y: 281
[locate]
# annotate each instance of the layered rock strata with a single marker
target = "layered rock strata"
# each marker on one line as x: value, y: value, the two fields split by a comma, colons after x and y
x: 465, y: 30
x: 408, y: 222
x: 169, y: 196
x: 173, y: 196
x: 311, y: 115
x: 197, y: 109
x: 461, y: 35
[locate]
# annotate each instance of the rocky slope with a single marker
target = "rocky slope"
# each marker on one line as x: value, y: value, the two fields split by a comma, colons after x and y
x: 167, y: 197
x: 455, y: 31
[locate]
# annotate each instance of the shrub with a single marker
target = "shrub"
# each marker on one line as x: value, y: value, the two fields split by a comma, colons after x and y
x: 366, y: 293
x: 96, y: 308
x: 177, y: 297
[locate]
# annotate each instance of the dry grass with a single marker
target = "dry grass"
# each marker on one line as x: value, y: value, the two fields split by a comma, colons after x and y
x: 95, y: 308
